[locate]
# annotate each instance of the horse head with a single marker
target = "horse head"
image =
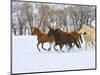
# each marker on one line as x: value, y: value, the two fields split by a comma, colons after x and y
x: 51, y: 31
x: 35, y: 31
x: 84, y: 29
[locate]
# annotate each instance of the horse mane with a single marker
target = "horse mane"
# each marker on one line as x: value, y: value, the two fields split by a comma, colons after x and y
x: 88, y: 28
x: 38, y: 30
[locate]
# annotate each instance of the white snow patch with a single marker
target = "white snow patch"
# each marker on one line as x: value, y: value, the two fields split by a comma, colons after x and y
x: 27, y: 58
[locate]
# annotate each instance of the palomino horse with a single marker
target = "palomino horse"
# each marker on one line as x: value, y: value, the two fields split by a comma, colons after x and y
x: 62, y: 38
x: 42, y: 38
x: 88, y: 34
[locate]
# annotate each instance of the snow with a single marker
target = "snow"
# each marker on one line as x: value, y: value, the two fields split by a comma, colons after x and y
x: 27, y: 58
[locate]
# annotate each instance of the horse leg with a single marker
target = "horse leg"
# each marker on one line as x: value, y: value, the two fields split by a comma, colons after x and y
x: 66, y: 45
x: 49, y: 47
x: 93, y: 43
x: 55, y: 48
x: 77, y: 45
x: 42, y: 46
x: 38, y: 46
x: 61, y: 47
x: 70, y: 46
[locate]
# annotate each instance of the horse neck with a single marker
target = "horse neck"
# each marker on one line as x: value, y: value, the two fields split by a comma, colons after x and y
x: 38, y: 34
x: 56, y: 36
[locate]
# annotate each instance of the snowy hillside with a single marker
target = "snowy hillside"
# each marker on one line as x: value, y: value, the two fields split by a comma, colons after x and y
x: 27, y: 58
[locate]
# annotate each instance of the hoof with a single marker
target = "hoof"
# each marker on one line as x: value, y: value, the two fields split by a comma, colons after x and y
x: 63, y: 51
x: 56, y: 50
x: 49, y: 49
x: 45, y: 49
x: 39, y: 51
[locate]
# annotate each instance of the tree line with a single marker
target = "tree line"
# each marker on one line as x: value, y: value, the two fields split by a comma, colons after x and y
x: 26, y: 15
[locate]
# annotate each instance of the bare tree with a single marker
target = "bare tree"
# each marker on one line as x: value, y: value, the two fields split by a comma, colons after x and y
x: 67, y: 17
x: 26, y: 11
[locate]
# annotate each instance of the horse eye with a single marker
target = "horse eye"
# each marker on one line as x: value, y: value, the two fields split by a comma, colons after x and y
x: 84, y: 33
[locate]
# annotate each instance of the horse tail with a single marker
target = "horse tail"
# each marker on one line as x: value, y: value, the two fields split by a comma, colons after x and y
x: 81, y: 38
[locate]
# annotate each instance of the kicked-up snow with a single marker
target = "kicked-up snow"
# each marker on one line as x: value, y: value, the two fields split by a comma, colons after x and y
x: 27, y: 58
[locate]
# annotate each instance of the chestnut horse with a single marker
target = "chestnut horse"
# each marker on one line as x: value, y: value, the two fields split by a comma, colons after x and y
x: 78, y: 37
x: 62, y: 38
x: 42, y: 38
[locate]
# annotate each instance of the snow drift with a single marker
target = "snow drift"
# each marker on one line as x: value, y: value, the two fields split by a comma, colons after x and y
x: 27, y: 58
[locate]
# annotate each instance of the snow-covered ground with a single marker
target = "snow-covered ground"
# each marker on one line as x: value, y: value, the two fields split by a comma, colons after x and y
x: 27, y: 58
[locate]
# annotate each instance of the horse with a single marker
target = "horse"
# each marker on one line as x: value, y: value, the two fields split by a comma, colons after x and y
x: 42, y: 38
x: 77, y: 35
x: 63, y: 38
x: 89, y: 35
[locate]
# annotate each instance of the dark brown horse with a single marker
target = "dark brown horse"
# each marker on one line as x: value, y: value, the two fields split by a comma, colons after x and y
x: 75, y: 34
x: 62, y: 38
x: 42, y: 38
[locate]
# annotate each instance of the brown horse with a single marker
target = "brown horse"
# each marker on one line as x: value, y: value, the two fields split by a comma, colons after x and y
x: 62, y: 38
x: 78, y: 37
x: 42, y: 38
x: 75, y: 34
